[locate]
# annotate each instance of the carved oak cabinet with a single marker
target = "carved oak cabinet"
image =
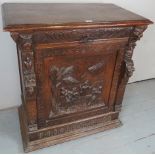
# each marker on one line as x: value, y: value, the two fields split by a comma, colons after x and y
x: 74, y: 61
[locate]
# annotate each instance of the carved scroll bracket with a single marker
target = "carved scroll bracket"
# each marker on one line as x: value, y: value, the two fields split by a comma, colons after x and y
x: 137, y: 34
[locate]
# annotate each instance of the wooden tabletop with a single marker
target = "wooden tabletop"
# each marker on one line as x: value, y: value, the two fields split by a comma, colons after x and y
x: 41, y: 15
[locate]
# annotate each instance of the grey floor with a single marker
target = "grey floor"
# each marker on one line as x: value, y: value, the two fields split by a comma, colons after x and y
x: 137, y: 135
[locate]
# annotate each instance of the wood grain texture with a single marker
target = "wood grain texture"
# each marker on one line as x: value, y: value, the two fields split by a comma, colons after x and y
x: 73, y: 71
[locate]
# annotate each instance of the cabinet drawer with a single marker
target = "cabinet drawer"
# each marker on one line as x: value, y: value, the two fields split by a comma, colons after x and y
x: 82, y: 35
x: 75, y: 79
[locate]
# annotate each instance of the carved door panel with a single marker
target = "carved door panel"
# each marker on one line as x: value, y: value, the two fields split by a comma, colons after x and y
x: 74, y: 80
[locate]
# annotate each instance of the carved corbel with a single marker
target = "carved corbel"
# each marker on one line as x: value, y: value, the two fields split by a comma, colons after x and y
x: 128, y: 64
x: 137, y: 34
x: 15, y: 36
x: 128, y: 59
x: 26, y: 41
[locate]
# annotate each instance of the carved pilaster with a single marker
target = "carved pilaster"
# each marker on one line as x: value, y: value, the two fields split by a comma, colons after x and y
x: 27, y: 56
x: 26, y: 65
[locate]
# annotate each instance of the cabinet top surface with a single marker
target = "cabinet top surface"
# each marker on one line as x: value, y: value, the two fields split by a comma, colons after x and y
x: 20, y: 16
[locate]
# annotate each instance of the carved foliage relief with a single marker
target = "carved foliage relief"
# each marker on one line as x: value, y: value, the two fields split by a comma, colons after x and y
x: 72, y: 93
x: 81, y: 34
x: 24, y: 42
x: 137, y: 34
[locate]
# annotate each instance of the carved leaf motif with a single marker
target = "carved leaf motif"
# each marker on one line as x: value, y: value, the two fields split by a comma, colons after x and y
x: 68, y: 70
x: 81, y: 34
x: 62, y: 74
x: 96, y: 67
x: 70, y: 79
x: 137, y: 34
x: 28, y: 63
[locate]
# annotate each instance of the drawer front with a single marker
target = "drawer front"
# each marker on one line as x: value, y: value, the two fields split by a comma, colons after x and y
x: 74, y: 80
x: 82, y: 35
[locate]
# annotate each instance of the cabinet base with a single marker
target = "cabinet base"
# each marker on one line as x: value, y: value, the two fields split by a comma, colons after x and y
x: 54, y: 135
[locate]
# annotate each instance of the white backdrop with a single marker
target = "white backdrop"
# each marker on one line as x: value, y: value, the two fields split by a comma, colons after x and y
x: 144, y: 55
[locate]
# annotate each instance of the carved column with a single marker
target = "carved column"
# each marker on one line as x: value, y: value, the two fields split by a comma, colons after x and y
x: 28, y: 86
x: 127, y: 65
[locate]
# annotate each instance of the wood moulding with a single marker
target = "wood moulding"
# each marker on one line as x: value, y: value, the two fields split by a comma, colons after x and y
x: 54, y: 135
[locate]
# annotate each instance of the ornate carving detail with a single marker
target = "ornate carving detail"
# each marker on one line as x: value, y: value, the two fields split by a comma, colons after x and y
x: 30, y: 84
x: 81, y: 34
x: 95, y: 122
x: 128, y: 60
x: 88, y: 73
x: 33, y: 126
x: 137, y: 34
x: 26, y: 41
x: 26, y: 57
x: 74, y: 51
x: 27, y: 60
x: 97, y: 67
x: 70, y: 93
x: 29, y: 80
x: 28, y: 63
x: 25, y: 46
x: 26, y: 53
x: 15, y: 36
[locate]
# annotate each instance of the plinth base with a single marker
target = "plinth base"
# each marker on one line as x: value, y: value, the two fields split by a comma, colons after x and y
x: 61, y: 133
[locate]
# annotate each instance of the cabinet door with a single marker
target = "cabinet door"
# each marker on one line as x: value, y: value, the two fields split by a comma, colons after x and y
x: 74, y: 80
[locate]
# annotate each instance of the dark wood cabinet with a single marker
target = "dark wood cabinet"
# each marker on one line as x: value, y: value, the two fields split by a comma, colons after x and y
x: 74, y: 62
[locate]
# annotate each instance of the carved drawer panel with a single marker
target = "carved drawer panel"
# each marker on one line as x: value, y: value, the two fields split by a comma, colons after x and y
x: 74, y: 80
x: 82, y: 35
